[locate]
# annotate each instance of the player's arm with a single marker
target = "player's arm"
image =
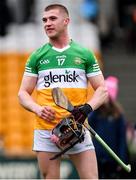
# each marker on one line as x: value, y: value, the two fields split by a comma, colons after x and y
x: 100, y: 95
x: 27, y: 87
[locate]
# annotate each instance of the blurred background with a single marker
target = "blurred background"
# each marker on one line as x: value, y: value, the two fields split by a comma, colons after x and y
x: 106, y: 27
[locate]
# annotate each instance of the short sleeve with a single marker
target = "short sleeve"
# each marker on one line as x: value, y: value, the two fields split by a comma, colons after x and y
x: 31, y: 67
x: 92, y: 67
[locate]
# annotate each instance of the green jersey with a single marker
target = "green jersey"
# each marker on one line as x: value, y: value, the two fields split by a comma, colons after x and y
x: 67, y: 68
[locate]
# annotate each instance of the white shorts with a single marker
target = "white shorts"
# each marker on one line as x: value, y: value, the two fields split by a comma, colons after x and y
x: 42, y: 142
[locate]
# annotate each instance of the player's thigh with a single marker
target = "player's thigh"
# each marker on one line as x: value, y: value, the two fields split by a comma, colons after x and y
x: 86, y: 164
x: 50, y: 169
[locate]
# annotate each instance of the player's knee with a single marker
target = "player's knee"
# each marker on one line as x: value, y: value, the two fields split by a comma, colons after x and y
x: 44, y: 175
x: 50, y: 175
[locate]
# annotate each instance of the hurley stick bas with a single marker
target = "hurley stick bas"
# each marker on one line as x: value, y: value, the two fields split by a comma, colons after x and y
x: 61, y: 100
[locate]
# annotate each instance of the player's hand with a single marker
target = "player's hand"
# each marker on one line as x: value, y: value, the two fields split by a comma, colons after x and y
x: 80, y: 113
x: 46, y: 112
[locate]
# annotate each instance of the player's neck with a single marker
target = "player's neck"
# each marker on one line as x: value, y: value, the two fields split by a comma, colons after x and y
x: 60, y: 42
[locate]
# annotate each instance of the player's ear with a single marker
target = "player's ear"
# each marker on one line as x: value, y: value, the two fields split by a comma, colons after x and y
x: 66, y: 21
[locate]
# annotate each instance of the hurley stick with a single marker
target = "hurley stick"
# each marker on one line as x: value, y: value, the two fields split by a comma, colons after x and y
x: 61, y: 100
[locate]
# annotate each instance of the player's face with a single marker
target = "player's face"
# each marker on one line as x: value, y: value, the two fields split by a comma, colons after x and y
x: 55, y: 23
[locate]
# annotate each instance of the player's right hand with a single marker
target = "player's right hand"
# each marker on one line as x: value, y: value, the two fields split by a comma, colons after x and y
x: 46, y: 112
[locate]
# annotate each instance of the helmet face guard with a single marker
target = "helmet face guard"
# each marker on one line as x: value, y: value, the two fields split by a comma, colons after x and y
x: 67, y: 133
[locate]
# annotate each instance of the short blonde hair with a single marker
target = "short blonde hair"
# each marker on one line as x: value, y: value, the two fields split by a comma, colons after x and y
x: 57, y: 6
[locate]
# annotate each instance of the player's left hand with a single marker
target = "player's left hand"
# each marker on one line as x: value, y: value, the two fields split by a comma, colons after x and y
x: 80, y: 113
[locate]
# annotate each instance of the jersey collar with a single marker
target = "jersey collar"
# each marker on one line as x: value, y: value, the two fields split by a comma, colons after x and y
x: 62, y: 49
